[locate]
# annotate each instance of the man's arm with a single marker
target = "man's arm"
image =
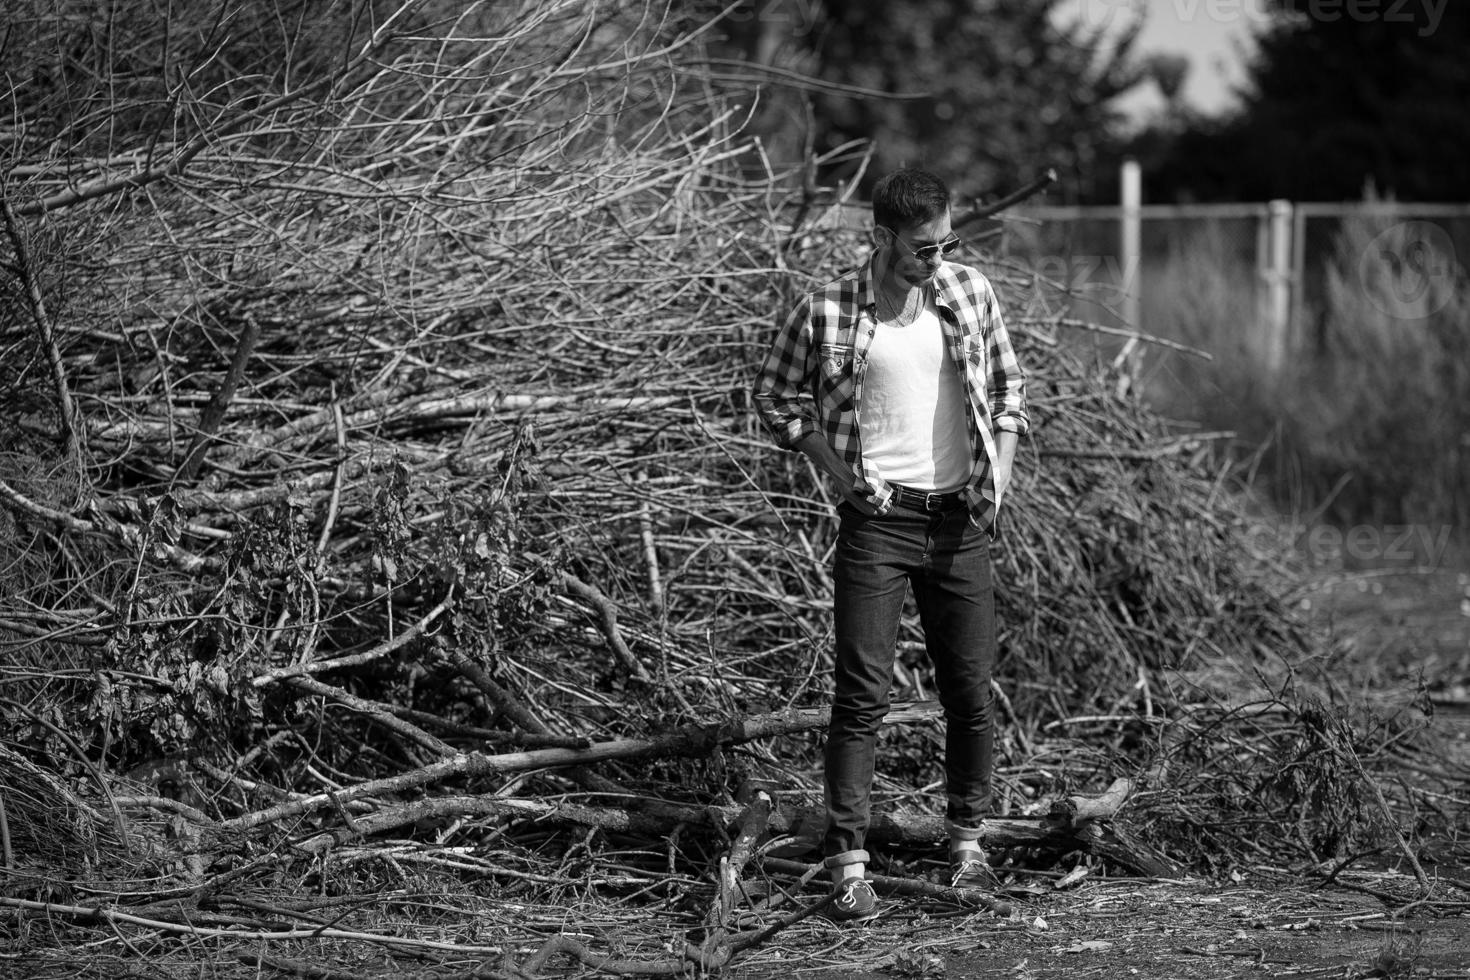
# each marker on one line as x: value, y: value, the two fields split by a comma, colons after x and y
x: 788, y: 410
x: 816, y: 448
x: 1007, y: 384
x: 780, y: 394
x: 1005, y: 451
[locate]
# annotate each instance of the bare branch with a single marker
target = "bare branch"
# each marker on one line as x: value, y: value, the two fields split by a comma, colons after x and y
x: 25, y: 269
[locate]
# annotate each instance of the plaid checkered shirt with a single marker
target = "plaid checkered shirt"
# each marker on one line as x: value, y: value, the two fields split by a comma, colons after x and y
x: 812, y: 378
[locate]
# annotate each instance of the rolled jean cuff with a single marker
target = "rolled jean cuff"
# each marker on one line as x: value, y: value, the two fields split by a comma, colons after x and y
x: 858, y: 856
x: 963, y: 831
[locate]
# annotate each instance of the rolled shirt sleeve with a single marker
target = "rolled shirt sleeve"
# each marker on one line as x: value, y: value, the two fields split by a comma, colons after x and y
x: 1007, y: 383
x: 781, y: 393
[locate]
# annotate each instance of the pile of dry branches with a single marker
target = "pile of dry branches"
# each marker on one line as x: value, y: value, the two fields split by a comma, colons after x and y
x: 380, y: 495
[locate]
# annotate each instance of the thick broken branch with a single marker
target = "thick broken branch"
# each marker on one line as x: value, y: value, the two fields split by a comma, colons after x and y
x: 1073, y: 810
x: 377, y: 712
x: 753, y: 827
x: 699, y: 740
x: 500, y: 699
x: 351, y: 660
x: 25, y: 270
x: 607, y: 617
x: 214, y: 412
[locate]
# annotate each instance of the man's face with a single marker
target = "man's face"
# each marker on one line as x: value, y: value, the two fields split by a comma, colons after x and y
x: 903, y: 267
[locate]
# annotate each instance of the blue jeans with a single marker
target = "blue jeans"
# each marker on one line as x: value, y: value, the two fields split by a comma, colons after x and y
x: 947, y: 562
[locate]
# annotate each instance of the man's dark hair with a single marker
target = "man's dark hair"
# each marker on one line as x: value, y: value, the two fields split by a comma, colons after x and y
x: 908, y: 197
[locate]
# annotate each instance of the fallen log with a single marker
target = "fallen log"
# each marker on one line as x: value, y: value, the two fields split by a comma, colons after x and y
x: 1074, y: 823
x: 798, y: 828
x: 1069, y: 825
x: 692, y: 741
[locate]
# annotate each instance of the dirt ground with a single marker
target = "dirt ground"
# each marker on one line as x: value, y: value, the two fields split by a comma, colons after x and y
x: 1414, y: 621
x: 1267, y: 925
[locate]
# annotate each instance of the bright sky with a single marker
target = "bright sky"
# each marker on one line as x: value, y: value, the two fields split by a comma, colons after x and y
x: 1214, y: 34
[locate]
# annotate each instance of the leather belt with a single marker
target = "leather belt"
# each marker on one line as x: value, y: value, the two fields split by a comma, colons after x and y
x: 926, y: 500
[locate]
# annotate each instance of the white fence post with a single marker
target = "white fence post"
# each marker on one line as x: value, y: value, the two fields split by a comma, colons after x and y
x: 1131, y: 240
x: 1278, y: 287
x: 1130, y: 245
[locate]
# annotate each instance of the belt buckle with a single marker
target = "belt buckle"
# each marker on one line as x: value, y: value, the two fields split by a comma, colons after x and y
x: 932, y: 502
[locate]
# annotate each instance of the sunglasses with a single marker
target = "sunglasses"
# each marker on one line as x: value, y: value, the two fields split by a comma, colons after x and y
x: 927, y: 253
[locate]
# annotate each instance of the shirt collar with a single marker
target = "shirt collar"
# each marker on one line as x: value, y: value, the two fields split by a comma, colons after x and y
x: 868, y: 292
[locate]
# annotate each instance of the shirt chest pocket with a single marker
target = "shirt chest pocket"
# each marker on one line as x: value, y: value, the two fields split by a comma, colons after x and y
x: 836, y: 370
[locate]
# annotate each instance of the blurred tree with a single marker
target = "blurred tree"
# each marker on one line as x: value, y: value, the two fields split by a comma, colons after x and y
x: 986, y: 93
x: 1346, y: 97
x: 1169, y: 72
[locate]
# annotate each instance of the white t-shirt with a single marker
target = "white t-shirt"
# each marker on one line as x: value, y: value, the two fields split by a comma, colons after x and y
x: 913, y: 409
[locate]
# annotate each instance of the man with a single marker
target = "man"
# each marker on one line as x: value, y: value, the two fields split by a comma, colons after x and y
x: 898, y: 380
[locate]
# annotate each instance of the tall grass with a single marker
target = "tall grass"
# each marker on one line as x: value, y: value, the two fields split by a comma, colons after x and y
x: 1367, y: 424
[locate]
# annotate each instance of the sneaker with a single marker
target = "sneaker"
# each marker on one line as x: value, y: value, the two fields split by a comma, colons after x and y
x: 855, y: 902
x: 969, y: 869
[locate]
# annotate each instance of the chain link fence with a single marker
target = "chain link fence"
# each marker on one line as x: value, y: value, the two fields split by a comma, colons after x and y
x: 1337, y: 335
